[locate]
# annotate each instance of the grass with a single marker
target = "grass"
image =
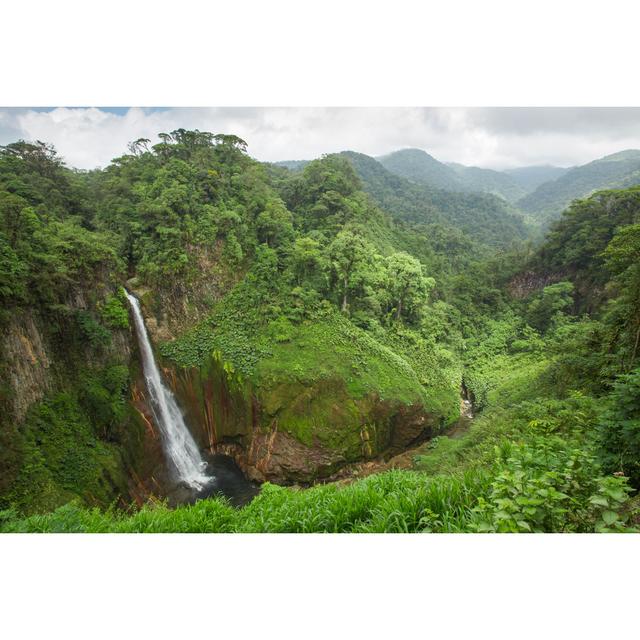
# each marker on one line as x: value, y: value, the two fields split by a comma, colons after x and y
x: 473, y: 449
x: 396, y: 501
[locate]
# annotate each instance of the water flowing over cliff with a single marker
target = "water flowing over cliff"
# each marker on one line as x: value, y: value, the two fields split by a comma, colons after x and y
x: 181, y: 449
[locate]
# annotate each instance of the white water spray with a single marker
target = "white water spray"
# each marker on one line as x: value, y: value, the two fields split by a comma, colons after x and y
x: 179, y: 444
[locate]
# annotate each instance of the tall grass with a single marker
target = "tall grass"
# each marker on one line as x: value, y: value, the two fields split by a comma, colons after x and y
x: 396, y: 501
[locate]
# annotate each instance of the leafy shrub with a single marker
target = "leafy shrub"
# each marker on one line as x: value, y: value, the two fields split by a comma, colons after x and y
x: 608, y: 504
x: 547, y: 485
x: 619, y: 429
x: 114, y: 313
x: 95, y: 334
x: 103, y: 396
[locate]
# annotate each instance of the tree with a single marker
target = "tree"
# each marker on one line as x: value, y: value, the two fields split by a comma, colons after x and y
x: 406, y: 284
x: 349, y: 255
x: 274, y: 225
x: 38, y: 157
x: 619, y: 433
x: 139, y: 146
x: 546, y: 307
x: 306, y: 259
x: 17, y: 219
x: 325, y: 196
x: 230, y: 142
x: 622, y: 257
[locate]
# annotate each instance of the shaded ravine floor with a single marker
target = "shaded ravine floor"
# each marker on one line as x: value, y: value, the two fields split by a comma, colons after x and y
x: 405, y: 460
x: 231, y: 482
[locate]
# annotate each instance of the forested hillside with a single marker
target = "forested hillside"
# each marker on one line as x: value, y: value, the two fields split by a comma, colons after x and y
x: 615, y: 171
x: 530, y: 178
x: 489, y: 181
x: 373, y: 353
x: 418, y: 166
x: 482, y: 218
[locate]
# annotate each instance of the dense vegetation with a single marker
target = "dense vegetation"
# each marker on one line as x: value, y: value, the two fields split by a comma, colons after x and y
x: 483, y: 219
x: 337, y: 282
x: 418, y: 166
x: 615, y: 171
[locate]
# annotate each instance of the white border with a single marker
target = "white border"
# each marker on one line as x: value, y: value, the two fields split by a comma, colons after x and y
x: 295, y: 53
x: 314, y: 586
x: 330, y: 53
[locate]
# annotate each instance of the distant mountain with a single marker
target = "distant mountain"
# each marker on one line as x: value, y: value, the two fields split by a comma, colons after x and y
x: 530, y: 178
x: 483, y: 217
x: 615, y: 171
x: 419, y: 166
x: 292, y: 165
x: 489, y: 181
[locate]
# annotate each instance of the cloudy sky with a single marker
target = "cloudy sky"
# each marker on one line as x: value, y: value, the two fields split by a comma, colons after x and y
x: 495, y: 138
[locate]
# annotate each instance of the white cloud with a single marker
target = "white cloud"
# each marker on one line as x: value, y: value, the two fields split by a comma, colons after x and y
x: 489, y: 137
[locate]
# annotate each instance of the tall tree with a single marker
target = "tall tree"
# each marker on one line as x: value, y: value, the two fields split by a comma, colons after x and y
x: 349, y: 255
x: 406, y: 284
x: 622, y: 257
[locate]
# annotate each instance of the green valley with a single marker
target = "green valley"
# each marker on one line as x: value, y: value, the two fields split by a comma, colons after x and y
x: 372, y: 345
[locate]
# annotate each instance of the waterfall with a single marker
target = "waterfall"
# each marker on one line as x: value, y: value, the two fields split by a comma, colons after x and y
x: 178, y: 443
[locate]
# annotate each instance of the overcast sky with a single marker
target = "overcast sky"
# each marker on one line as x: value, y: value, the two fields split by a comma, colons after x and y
x: 495, y: 138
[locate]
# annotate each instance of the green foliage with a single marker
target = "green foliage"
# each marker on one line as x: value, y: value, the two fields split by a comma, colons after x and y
x: 114, y: 312
x: 103, y: 396
x: 337, y: 295
x: 544, y: 485
x: 576, y: 243
x: 580, y: 356
x: 544, y: 308
x: 92, y: 331
x: 353, y: 268
x: 498, y: 183
x: 62, y: 457
x: 419, y: 166
x: 406, y: 285
x: 609, y: 505
x: 619, y: 434
x: 611, y: 172
x: 622, y: 257
x: 396, y: 501
x: 447, y: 207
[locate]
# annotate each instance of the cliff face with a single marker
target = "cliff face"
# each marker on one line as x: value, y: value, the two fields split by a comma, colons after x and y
x: 66, y: 428
x: 325, y: 395
x: 293, y: 432
x: 174, y: 307
x: 26, y: 365
x: 524, y: 284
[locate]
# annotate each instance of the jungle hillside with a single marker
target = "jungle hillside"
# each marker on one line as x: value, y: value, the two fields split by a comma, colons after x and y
x: 355, y: 344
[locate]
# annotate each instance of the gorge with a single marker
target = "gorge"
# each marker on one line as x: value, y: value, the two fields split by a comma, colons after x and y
x: 189, y: 331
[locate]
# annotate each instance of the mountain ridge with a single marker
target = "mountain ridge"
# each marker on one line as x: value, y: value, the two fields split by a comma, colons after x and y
x: 548, y: 200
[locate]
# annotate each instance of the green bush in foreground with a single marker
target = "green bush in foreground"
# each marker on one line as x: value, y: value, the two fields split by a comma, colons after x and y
x: 532, y: 487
